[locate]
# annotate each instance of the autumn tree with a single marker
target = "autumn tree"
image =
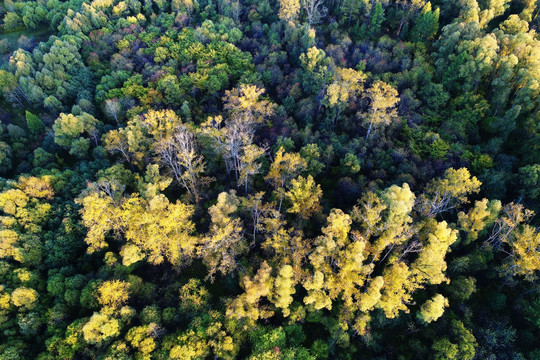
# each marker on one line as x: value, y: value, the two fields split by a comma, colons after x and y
x: 289, y: 10
x: 283, y: 169
x: 224, y: 242
x: 448, y: 192
x: 304, y: 195
x: 347, y: 84
x: 383, y: 99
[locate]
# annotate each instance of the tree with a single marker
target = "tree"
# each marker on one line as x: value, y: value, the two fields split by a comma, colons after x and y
x: 347, y: 83
x: 382, y: 109
x: 25, y: 298
x: 100, y: 328
x: 113, y: 293
x: 68, y: 131
x: 248, y: 164
x: 317, y: 74
x: 478, y: 218
x: 289, y: 10
x: 34, y: 123
x: 448, y: 192
x: 224, y: 242
x: 283, y: 169
x: 433, y: 309
x: 525, y: 254
x: 244, y: 105
x: 315, y: 11
x: 426, y: 24
x: 180, y: 154
x: 396, y: 291
x: 376, y: 19
x: 246, y: 306
x: 112, y: 109
x: 284, y: 289
x: 430, y: 265
x: 152, y: 225
x: 304, y: 195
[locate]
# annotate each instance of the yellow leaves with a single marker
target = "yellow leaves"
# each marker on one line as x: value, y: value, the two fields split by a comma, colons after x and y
x: 99, y: 328
x: 316, y: 295
x: 430, y: 265
x: 140, y: 338
x: 396, y: 290
x: 304, y: 196
x: 526, y: 253
x: 369, y: 299
x: 13, y: 199
x: 25, y: 298
x: 284, y: 167
x: 224, y: 242
x: 4, y: 299
x: 312, y: 58
x: 192, y: 347
x: 384, y: 99
x: 68, y: 127
x: 399, y: 203
x: 457, y: 183
x: 98, y: 215
x: 433, y: 309
x: 161, y: 123
x: 347, y: 83
x: 367, y: 213
x: 8, y: 239
x: 339, y: 225
x: 244, y: 104
x: 246, y: 305
x: 206, y: 335
x: 260, y: 286
x: 284, y: 289
x: 448, y: 192
x: 36, y: 187
x: 289, y: 9
x: 131, y: 254
x: 113, y: 293
x: 193, y: 296
x: 155, y: 227
x: 478, y: 217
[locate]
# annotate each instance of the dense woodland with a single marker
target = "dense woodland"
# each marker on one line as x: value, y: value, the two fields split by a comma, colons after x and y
x: 269, y: 179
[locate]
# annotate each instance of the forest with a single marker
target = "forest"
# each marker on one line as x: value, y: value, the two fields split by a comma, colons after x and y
x: 269, y: 179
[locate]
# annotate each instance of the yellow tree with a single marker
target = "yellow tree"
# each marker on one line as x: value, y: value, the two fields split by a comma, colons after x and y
x: 430, y: 266
x: 130, y: 141
x: 248, y: 165
x: 99, y: 328
x: 479, y: 217
x: 244, y: 105
x: 347, y: 84
x: 396, y: 291
x: 433, y: 309
x: 224, y: 242
x: 448, y: 192
x: 178, y: 152
x: 525, y: 253
x: 246, y: 306
x: 284, y: 168
x: 289, y: 9
x: 161, y: 123
x: 382, y: 109
x: 151, y: 226
x: 399, y: 202
x: 113, y: 294
x: 304, y: 195
x: 284, y: 289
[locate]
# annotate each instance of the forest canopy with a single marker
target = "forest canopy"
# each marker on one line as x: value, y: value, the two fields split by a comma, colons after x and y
x: 270, y: 179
